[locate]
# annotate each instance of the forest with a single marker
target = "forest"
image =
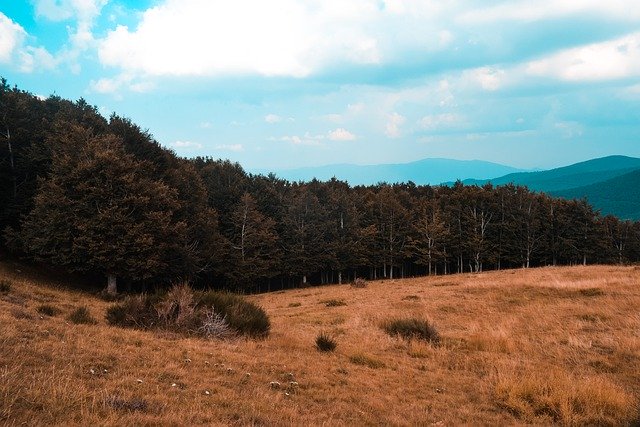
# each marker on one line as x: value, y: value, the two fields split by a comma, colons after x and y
x: 102, y: 197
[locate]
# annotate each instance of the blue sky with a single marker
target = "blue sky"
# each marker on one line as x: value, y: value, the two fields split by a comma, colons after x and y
x: 290, y: 83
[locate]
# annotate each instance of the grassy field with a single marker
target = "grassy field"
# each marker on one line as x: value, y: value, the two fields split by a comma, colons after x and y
x: 551, y: 345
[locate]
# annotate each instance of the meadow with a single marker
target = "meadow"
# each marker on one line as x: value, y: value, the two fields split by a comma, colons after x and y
x: 536, y: 346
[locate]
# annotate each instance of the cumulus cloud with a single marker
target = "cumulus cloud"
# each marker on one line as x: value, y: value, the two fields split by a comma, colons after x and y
x: 614, y: 59
x: 15, y: 51
x: 394, y: 123
x: 11, y: 37
x: 81, y: 39
x: 277, y: 38
x: 341, y: 134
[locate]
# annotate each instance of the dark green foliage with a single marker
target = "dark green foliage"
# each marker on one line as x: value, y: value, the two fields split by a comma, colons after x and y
x: 48, y: 310
x: 81, y: 316
x: 412, y: 328
x: 184, y: 311
x: 244, y: 316
x: 93, y: 195
x: 5, y: 286
x: 325, y: 342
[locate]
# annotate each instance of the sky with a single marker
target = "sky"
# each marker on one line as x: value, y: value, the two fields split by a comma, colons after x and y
x: 283, y: 84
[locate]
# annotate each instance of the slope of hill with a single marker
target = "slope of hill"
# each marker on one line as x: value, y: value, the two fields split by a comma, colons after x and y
x: 426, y: 171
x: 619, y: 196
x: 572, y: 176
x: 543, y: 346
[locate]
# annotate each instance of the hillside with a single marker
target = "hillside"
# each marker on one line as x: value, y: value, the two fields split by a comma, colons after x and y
x: 619, y: 196
x: 572, y: 176
x: 421, y: 172
x: 551, y: 345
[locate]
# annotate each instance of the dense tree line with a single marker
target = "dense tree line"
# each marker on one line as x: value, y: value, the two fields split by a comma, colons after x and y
x: 102, y: 196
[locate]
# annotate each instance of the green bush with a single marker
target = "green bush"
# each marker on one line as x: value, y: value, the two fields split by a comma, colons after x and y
x: 243, y: 316
x: 81, y: 315
x: 192, y: 313
x: 324, y: 342
x: 410, y: 328
x: 5, y: 286
x: 135, y: 312
x: 48, y: 310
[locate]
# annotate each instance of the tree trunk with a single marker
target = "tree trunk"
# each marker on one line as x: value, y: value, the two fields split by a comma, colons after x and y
x: 112, y: 287
x: 339, y: 277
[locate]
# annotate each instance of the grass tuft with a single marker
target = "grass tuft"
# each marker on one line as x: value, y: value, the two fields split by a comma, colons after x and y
x: 5, y: 286
x: 412, y: 328
x: 364, y: 360
x: 81, y: 316
x: 325, y: 342
x: 48, y: 310
x: 333, y: 302
x: 561, y: 399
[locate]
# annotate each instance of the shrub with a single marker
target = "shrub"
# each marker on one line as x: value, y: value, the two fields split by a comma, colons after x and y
x: 134, y: 312
x: 359, y: 283
x: 48, y: 310
x: 81, y: 315
x: 243, y: 316
x: 5, y: 286
x: 176, y: 310
x: 210, y: 314
x: 215, y: 325
x: 333, y: 302
x: 410, y: 328
x: 324, y: 342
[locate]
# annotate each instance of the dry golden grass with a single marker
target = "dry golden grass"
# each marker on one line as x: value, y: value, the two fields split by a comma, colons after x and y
x: 552, y: 345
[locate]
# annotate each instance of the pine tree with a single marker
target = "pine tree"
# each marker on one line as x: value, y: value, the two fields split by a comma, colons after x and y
x: 99, y: 212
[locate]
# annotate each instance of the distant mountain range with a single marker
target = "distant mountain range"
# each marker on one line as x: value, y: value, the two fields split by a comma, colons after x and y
x: 421, y: 172
x: 611, y: 184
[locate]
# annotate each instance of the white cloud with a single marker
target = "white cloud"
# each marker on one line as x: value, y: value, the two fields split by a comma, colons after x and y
x: 81, y: 39
x: 230, y: 147
x: 341, y: 134
x: 187, y: 145
x: 11, y: 37
x: 527, y: 10
x: 439, y: 121
x: 276, y: 38
x: 612, y: 59
x: 15, y: 51
x: 272, y: 118
x: 394, y: 122
x: 306, y: 139
x: 488, y: 78
x: 122, y: 82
